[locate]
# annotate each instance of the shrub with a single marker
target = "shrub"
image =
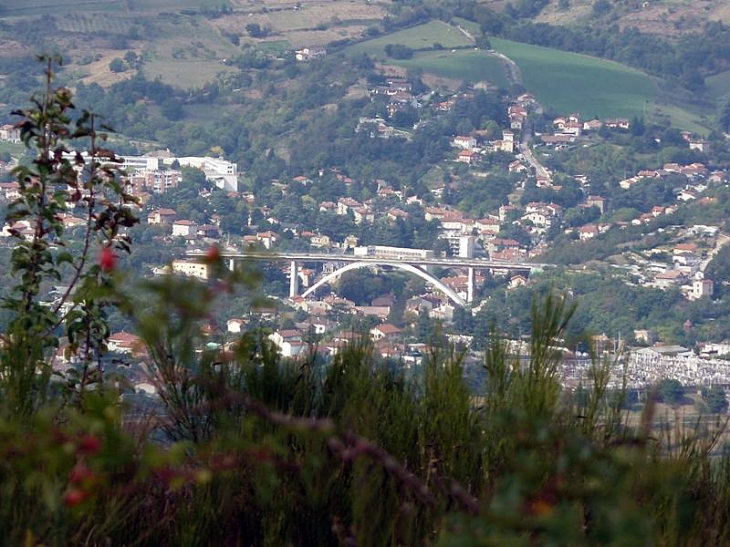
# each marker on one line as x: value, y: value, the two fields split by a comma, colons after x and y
x: 244, y: 448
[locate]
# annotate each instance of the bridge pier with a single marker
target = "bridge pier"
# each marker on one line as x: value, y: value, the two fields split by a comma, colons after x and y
x: 293, y: 279
x: 232, y: 264
x: 470, y: 286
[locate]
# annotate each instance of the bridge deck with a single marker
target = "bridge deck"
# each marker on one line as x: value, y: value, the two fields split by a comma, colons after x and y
x: 323, y: 257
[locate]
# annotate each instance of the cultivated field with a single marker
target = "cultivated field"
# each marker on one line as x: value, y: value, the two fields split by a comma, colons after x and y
x: 461, y: 64
x: 93, y: 22
x: 568, y: 82
x: 420, y: 37
x: 16, y: 8
x: 663, y: 17
x: 175, y: 5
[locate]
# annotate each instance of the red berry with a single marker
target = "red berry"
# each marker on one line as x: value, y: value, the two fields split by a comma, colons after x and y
x: 81, y: 474
x: 89, y: 444
x: 75, y: 497
x: 107, y: 259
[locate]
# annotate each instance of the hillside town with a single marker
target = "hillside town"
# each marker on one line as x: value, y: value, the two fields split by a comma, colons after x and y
x: 514, y: 232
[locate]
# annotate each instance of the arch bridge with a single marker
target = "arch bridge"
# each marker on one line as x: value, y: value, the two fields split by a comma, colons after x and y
x: 416, y: 266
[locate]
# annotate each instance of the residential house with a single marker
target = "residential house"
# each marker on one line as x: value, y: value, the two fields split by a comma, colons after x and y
x: 488, y: 226
x: 701, y: 288
x: 617, y: 123
x: 10, y: 190
x: 517, y: 167
x: 395, y: 214
x: 286, y: 335
x: 184, y: 228
x: 470, y: 157
x: 363, y: 214
x: 700, y: 145
x: 465, y: 142
x: 589, y: 231
x: 557, y: 140
x: 268, y: 238
x: 125, y: 342
x: 670, y: 278
x: 592, y: 125
x: 210, y: 231
x: 162, y: 216
x: 385, y: 332
x: 685, y: 248
x: 517, y: 115
x: 346, y: 204
x: 320, y: 241
x: 444, y: 312
x: 191, y: 268
x: 236, y: 325
x: 508, y: 142
x: 9, y: 133
x: 517, y: 280
x: 572, y: 128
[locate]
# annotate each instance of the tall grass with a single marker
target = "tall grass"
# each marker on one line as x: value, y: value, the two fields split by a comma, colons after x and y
x: 244, y: 448
x: 271, y: 452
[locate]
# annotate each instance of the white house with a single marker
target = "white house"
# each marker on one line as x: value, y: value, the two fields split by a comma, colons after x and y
x: 184, y: 228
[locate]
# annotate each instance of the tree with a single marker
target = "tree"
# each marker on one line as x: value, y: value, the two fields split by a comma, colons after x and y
x: 131, y: 58
x: 601, y: 7
x: 398, y: 51
x: 256, y: 31
x: 715, y: 399
x: 671, y: 392
x: 117, y: 65
x: 482, y: 42
x: 172, y: 109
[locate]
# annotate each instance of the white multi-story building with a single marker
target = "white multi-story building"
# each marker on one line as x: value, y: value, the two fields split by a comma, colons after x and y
x: 220, y: 172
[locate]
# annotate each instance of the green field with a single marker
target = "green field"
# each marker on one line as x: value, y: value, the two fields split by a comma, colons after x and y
x: 470, y: 26
x: 420, y: 37
x: 568, y: 82
x: 718, y: 85
x: 462, y: 64
x: 564, y: 82
x: 175, y: 5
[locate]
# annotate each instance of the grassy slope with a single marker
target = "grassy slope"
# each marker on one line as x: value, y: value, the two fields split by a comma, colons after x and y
x: 718, y: 85
x: 419, y: 37
x: 461, y: 64
x: 564, y: 81
x: 568, y: 82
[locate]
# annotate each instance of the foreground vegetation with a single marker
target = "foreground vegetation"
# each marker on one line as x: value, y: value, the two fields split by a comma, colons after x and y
x: 241, y: 448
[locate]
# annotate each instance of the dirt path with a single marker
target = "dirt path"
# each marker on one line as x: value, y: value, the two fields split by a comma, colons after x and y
x: 513, y: 71
x: 514, y: 76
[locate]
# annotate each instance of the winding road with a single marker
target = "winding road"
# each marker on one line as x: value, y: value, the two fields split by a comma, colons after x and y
x: 514, y: 77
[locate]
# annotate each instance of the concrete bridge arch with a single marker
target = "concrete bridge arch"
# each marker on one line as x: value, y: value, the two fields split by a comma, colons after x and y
x: 427, y: 277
